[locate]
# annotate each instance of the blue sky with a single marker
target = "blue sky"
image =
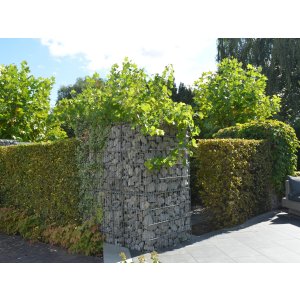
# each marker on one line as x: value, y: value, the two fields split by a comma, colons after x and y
x: 67, y: 59
x: 41, y: 63
x: 75, y: 38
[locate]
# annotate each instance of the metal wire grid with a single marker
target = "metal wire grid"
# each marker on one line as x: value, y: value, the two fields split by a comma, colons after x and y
x: 118, y: 210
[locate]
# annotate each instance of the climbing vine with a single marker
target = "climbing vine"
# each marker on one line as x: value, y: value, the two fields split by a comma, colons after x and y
x: 131, y: 96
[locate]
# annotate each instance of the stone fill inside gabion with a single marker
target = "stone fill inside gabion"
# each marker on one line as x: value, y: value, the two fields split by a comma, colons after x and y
x: 143, y: 210
x: 10, y: 142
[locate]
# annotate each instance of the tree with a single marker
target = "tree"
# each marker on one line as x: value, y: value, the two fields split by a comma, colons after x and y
x: 24, y: 103
x: 72, y: 90
x: 280, y: 62
x: 182, y: 94
x: 233, y: 95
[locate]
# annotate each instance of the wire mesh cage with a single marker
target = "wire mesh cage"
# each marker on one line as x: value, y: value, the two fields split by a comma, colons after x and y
x: 143, y: 210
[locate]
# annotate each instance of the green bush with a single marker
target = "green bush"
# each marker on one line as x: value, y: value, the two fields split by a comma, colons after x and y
x: 232, y: 95
x: 41, y: 179
x: 283, y: 142
x: 297, y: 173
x: 232, y: 178
x: 82, y: 239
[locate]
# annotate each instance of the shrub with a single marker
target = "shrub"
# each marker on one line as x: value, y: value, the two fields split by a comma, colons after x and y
x: 24, y: 103
x: 41, y: 179
x: 232, y: 177
x: 283, y: 143
x: 233, y: 95
x: 85, y: 238
x: 82, y: 239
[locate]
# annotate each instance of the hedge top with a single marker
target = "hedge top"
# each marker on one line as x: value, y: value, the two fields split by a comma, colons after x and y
x: 283, y: 142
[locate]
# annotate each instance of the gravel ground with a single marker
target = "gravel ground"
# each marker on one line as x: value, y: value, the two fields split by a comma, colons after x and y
x: 14, y: 249
x: 201, y: 221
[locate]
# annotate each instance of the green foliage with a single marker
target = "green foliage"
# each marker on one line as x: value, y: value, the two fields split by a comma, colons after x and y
x: 85, y: 238
x: 296, y: 126
x: 233, y: 95
x: 82, y: 239
x: 232, y: 178
x: 182, y: 94
x: 131, y: 96
x: 71, y: 91
x: 88, y: 155
x: 153, y: 256
x: 279, y: 59
x: 24, y: 103
x: 54, y: 129
x: 282, y: 140
x: 41, y: 179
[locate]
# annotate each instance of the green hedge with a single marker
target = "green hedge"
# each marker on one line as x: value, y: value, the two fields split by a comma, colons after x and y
x: 232, y: 177
x: 283, y: 142
x: 41, y: 179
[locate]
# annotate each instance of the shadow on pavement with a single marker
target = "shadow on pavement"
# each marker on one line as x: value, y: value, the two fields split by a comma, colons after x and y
x: 275, y: 217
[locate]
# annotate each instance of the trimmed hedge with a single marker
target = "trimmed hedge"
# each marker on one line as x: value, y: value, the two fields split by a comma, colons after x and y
x: 283, y: 143
x: 232, y: 178
x: 41, y: 179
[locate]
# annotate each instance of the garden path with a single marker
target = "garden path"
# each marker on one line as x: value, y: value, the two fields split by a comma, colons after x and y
x: 14, y: 249
x: 268, y: 238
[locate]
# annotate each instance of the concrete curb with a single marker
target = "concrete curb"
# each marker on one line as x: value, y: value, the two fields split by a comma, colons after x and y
x: 111, y: 253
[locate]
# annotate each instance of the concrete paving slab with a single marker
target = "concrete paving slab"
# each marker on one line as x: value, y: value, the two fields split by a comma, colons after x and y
x: 290, y: 244
x: 259, y: 243
x: 177, y: 258
x: 111, y: 253
x: 201, y: 251
x: 280, y: 254
x: 216, y: 259
x: 271, y: 237
x: 235, y: 251
x: 253, y: 259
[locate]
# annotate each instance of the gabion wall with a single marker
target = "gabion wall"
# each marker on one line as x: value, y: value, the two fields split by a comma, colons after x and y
x: 9, y: 142
x: 143, y: 210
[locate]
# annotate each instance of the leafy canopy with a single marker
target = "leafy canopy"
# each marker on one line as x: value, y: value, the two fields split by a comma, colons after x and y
x: 131, y: 96
x: 24, y: 103
x: 71, y: 91
x: 233, y: 95
x: 279, y: 59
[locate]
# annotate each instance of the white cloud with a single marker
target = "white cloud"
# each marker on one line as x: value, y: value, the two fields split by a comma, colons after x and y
x: 188, y: 57
x: 152, y: 34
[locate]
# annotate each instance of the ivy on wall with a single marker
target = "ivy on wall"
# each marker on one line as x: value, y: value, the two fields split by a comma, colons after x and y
x: 131, y: 96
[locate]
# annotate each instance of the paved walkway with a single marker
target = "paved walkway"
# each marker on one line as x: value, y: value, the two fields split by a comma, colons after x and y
x: 14, y: 249
x: 272, y: 237
x: 111, y: 253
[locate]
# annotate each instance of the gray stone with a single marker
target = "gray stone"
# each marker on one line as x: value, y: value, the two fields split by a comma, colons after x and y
x: 151, y: 187
x: 147, y: 235
x: 148, y: 220
x: 136, y: 197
